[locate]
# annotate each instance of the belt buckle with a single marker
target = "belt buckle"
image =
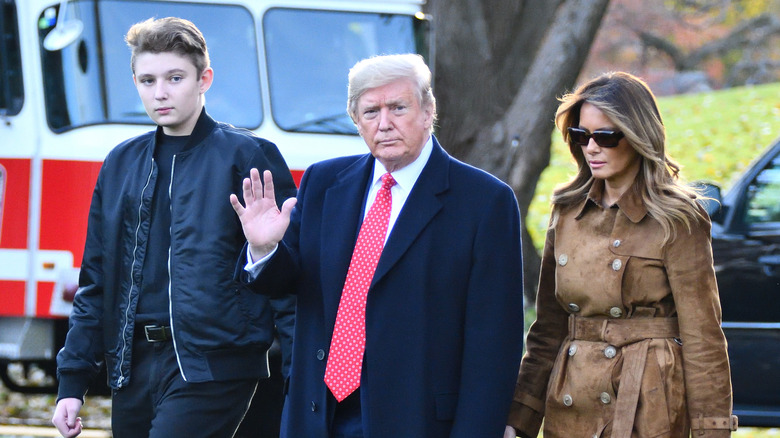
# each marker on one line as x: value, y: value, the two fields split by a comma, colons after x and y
x: 149, y: 338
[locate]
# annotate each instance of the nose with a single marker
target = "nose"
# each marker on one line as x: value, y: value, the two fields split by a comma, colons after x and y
x: 384, y: 120
x: 160, y: 92
x: 592, y: 146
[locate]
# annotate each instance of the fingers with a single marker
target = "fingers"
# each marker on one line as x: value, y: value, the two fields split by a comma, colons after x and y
x: 288, y: 206
x: 237, y: 207
x: 268, y: 181
x: 66, y: 417
x: 510, y: 432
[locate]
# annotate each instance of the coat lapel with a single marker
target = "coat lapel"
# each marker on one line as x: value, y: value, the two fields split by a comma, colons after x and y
x: 341, y: 216
x: 421, y: 206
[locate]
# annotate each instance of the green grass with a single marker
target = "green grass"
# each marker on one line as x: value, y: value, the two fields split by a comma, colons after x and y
x: 713, y: 136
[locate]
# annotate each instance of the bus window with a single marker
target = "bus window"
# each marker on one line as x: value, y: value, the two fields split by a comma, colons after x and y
x: 309, y: 54
x: 11, y: 85
x: 90, y: 81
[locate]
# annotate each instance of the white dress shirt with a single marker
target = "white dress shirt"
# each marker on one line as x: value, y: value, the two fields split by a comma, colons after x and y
x: 405, y: 178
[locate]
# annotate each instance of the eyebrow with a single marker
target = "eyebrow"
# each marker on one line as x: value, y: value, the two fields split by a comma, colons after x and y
x: 167, y: 73
x: 390, y: 103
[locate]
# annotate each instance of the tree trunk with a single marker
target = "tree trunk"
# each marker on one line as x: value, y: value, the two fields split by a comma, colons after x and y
x: 500, y: 66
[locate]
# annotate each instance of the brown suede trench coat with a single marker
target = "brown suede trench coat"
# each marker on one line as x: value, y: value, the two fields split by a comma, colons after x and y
x: 627, y: 341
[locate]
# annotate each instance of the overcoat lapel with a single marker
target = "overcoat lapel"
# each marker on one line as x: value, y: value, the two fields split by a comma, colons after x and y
x: 341, y: 216
x: 420, y: 208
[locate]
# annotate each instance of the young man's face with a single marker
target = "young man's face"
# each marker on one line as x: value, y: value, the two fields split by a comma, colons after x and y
x: 171, y: 90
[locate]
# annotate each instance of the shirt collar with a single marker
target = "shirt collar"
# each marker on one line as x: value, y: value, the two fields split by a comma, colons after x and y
x: 406, y: 176
x: 630, y: 203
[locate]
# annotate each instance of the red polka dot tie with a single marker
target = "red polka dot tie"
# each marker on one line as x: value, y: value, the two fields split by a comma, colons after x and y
x: 345, y: 360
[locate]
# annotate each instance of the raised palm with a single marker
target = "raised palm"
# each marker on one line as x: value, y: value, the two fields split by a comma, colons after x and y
x: 263, y: 223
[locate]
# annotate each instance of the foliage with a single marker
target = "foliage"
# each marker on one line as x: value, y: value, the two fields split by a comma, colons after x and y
x: 714, y: 136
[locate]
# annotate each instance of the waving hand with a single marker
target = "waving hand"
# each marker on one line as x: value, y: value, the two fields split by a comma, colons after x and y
x: 263, y: 223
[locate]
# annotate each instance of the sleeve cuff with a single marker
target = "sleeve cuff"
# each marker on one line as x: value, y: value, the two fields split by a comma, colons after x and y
x: 73, y: 385
x: 253, y: 268
x: 526, y: 415
x: 701, y: 424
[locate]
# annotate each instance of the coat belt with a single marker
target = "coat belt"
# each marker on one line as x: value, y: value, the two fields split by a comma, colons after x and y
x: 634, y: 336
x: 621, y: 332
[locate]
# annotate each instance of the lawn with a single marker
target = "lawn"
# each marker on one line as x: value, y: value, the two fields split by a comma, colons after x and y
x: 712, y: 135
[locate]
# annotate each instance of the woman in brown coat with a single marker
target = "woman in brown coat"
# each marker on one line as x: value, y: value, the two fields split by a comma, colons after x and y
x: 627, y: 341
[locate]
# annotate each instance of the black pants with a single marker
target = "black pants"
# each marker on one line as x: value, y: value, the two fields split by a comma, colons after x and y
x: 158, y: 403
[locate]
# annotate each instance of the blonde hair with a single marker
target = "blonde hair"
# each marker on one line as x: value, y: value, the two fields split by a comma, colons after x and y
x: 381, y: 70
x: 627, y: 101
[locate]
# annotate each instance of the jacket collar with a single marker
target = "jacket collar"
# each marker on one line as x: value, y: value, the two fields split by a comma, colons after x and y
x: 630, y: 203
x: 202, y: 129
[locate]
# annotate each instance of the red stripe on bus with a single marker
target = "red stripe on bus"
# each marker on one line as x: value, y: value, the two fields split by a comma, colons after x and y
x: 12, y: 297
x: 15, y: 203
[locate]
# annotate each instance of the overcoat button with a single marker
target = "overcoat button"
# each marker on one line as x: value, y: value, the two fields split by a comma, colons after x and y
x: 567, y: 400
x: 616, y: 265
x: 605, y: 398
x: 320, y: 354
x: 563, y: 259
x: 574, y: 308
x: 572, y: 349
x: 610, y: 352
x: 616, y: 312
x: 313, y: 407
x: 616, y: 243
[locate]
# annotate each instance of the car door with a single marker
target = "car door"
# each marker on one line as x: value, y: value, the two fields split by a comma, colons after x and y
x: 747, y: 263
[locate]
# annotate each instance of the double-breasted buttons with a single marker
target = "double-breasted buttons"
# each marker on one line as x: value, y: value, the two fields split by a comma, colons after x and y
x: 572, y: 349
x: 567, y: 400
x: 616, y: 264
x: 610, y: 352
x: 563, y: 259
x: 320, y: 354
x: 616, y: 312
x: 574, y: 307
x: 616, y: 243
x: 605, y: 398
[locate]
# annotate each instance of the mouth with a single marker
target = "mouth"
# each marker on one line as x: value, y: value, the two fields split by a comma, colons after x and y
x: 596, y: 164
x: 163, y: 110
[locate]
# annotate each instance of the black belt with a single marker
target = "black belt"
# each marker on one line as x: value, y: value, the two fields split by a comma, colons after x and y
x: 157, y: 333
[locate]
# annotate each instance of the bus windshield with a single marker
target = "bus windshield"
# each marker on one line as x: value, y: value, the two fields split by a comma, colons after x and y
x: 308, y: 54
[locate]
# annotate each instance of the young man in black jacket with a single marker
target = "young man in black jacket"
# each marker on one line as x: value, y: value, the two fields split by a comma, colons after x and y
x: 184, y: 344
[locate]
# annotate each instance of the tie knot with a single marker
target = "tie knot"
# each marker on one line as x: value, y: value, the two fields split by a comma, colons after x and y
x: 387, y: 181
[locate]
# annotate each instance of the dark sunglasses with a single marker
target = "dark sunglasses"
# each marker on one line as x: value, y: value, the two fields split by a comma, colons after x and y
x: 605, y: 139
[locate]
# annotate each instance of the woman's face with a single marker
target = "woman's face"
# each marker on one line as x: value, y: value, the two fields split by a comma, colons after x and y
x: 618, y: 166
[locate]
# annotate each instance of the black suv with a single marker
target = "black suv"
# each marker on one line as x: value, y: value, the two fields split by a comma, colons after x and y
x: 746, y: 248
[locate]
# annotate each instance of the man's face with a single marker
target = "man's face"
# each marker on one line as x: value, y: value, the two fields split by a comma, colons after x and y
x: 171, y: 90
x: 392, y: 123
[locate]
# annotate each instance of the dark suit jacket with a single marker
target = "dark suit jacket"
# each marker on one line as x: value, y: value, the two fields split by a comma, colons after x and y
x: 444, y: 318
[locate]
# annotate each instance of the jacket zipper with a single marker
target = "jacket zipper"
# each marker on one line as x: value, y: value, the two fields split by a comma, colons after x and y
x: 123, y: 354
x: 170, y: 279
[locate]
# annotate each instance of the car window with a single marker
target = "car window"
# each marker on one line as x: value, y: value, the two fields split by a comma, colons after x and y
x: 763, y: 195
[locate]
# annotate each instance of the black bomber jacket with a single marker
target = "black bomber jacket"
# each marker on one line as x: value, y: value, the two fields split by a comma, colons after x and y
x: 220, y: 329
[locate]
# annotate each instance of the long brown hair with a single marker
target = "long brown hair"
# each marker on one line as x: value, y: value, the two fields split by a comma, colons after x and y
x: 628, y: 102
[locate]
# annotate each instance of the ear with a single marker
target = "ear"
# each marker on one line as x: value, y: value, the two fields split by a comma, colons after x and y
x: 428, y: 117
x: 206, y: 79
x: 135, y: 81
